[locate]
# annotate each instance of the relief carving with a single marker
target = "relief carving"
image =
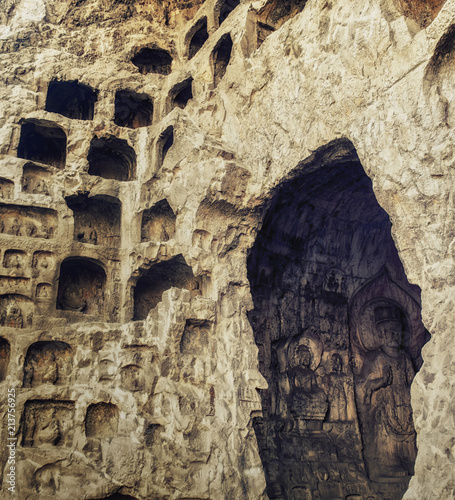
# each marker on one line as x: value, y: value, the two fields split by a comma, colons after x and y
x: 16, y: 311
x: 5, y: 353
x: 14, y: 259
x: 28, y: 221
x: 47, y: 422
x: 47, y: 363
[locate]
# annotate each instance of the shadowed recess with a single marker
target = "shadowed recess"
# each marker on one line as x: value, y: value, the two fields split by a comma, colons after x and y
x: 160, y: 277
x: 112, y: 158
x: 221, y: 57
x: 71, y: 99
x: 43, y: 142
x: 225, y: 8
x: 339, y: 334
x: 199, y: 37
x: 133, y: 110
x: 181, y: 93
x: 149, y: 60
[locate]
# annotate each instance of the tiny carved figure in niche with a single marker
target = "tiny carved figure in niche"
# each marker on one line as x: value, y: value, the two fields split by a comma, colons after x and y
x: 308, y: 402
x: 30, y: 229
x: 385, y: 378
x: 16, y: 226
x: 47, y: 429
x: 14, y: 317
x: 87, y: 234
x: 72, y: 298
x: 336, y: 381
x: 40, y: 188
x: 41, y: 368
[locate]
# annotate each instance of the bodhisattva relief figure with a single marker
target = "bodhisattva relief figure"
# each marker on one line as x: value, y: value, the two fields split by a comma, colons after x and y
x: 336, y: 382
x: 307, y: 401
x: 385, y: 400
x: 14, y: 317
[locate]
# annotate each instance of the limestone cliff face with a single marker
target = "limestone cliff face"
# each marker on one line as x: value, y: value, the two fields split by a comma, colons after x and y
x: 187, y: 220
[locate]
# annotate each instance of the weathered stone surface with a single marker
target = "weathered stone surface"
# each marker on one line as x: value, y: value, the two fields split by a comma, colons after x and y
x: 147, y: 257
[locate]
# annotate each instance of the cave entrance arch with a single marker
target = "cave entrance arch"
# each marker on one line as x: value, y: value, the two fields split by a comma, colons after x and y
x: 339, y: 334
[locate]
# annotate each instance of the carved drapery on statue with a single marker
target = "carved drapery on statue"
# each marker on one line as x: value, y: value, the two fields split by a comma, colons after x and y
x: 386, y: 338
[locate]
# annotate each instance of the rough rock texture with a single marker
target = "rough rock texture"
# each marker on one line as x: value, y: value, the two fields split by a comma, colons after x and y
x: 132, y: 203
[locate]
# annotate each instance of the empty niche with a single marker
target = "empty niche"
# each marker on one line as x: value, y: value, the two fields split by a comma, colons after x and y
x: 6, y: 188
x: 165, y: 142
x: 158, y: 223
x: 47, y: 362
x: 153, y: 60
x: 43, y: 142
x: 181, y: 94
x: 132, y: 378
x: 14, y: 259
x: 16, y: 311
x: 112, y: 158
x: 81, y: 286
x: 71, y: 99
x: 32, y: 222
x: 159, y: 278
x: 35, y: 179
x: 196, y: 337
x: 199, y: 36
x: 225, y: 8
x: 47, y: 422
x: 5, y: 353
x: 133, y: 110
x: 221, y: 56
x: 96, y: 219
x: 101, y: 420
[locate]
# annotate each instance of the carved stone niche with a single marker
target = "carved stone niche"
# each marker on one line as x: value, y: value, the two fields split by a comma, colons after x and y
x: 180, y: 94
x: 31, y: 222
x: 223, y: 8
x: 6, y: 189
x: 48, y: 423
x: 133, y: 110
x: 132, y: 378
x: 101, y: 420
x: 275, y: 13
x: 112, y: 158
x: 43, y: 142
x: 339, y: 333
x: 160, y: 277
x: 196, y: 337
x: 158, y: 223
x: 15, y: 259
x: 16, y: 311
x: 81, y: 286
x: 153, y: 60
x: 44, y: 291
x: 35, y: 179
x: 47, y: 362
x: 43, y: 263
x: 71, y: 99
x: 196, y: 37
x: 96, y: 219
x: 221, y: 57
x: 5, y: 353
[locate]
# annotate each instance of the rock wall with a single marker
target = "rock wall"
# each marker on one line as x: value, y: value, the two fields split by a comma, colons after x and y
x: 143, y: 150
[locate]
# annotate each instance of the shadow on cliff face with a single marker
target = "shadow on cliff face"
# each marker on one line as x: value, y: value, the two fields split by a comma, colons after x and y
x: 339, y: 334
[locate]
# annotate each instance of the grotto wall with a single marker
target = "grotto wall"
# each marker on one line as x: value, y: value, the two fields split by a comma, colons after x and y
x: 155, y: 159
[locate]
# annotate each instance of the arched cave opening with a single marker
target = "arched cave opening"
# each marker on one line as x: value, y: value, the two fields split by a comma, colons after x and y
x: 43, y: 142
x: 339, y: 334
x: 158, y: 222
x: 160, y: 277
x: 112, y: 158
x: 181, y: 94
x: 221, y: 57
x: 96, y: 219
x: 81, y: 286
x: 133, y: 110
x: 149, y: 60
x: 71, y: 99
x: 226, y: 7
x: 199, y: 37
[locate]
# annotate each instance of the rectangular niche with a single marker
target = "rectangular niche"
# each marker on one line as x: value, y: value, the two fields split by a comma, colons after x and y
x: 48, y: 423
x: 43, y: 142
x: 31, y: 222
x: 35, y: 179
x: 96, y: 220
x: 196, y: 337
